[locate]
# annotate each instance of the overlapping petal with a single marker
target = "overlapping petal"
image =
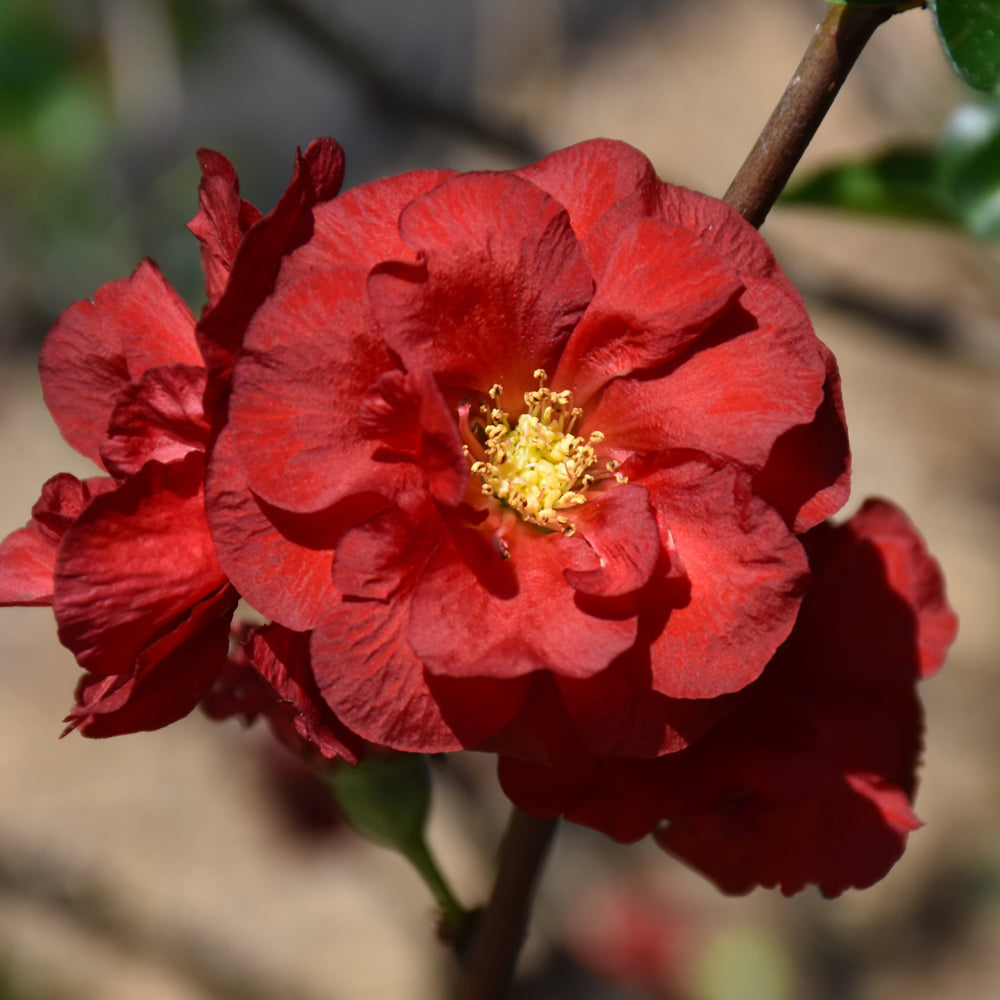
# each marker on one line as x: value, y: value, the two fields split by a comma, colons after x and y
x: 98, y: 346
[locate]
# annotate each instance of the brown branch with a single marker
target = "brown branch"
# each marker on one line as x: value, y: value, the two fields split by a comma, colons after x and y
x: 500, y: 931
x: 836, y: 44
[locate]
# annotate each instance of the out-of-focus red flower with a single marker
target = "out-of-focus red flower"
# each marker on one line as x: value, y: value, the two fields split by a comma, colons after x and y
x: 127, y: 561
x: 501, y: 439
x: 626, y: 934
x: 812, y: 777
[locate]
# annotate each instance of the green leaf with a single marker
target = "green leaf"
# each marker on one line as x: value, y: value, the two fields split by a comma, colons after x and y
x: 970, y: 33
x: 956, y: 182
x: 901, y: 183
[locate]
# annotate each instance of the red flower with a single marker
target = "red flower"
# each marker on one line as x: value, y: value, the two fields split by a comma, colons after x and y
x: 127, y: 561
x: 811, y: 778
x: 497, y: 438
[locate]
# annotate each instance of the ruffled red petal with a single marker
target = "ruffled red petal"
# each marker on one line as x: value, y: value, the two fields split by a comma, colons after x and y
x: 158, y: 417
x: 500, y: 283
x: 319, y: 172
x: 28, y: 555
x: 297, y: 392
x: 223, y: 218
x: 284, y: 574
x: 745, y: 573
x: 750, y: 377
x: 168, y: 679
x: 660, y: 289
x: 612, y: 170
x: 475, y: 614
x: 99, y: 345
x: 133, y: 564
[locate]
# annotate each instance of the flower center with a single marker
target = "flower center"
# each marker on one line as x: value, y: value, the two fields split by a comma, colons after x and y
x: 538, y: 467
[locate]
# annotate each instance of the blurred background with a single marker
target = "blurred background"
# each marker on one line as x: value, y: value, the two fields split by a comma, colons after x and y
x: 195, y: 863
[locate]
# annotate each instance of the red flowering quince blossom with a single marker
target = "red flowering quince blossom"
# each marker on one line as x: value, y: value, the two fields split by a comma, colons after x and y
x: 126, y: 560
x: 504, y: 441
x: 810, y: 780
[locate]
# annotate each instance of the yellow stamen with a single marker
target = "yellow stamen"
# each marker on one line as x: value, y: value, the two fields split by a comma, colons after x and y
x: 538, y: 467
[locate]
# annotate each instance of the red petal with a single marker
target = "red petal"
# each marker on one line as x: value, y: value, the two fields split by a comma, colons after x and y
x: 844, y: 829
x: 746, y: 573
x: 876, y: 612
x: 297, y: 389
x: 620, y: 528
x: 98, y: 346
x: 739, y: 387
x: 133, y: 565
x: 28, y: 555
x: 808, y: 473
x: 360, y: 228
x: 283, y: 579
x: 317, y: 178
x: 158, y: 417
x: 408, y: 414
x: 281, y: 657
x: 501, y: 285
x: 590, y: 177
x: 371, y: 679
x: 223, y: 217
x: 171, y: 677
x: 475, y: 614
x: 660, y: 289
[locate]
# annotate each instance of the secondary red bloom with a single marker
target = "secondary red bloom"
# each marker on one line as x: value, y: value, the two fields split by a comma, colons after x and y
x: 127, y: 561
x: 811, y: 778
x: 496, y: 437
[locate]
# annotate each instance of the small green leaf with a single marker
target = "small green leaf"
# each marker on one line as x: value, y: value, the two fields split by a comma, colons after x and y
x: 970, y: 33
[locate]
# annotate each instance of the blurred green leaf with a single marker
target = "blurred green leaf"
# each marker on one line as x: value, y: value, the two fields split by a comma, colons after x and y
x: 957, y: 181
x: 970, y: 33
x: 35, y: 59
x: 969, y: 166
x: 899, y: 182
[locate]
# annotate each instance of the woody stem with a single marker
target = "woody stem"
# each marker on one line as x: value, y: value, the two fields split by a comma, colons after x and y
x: 835, y: 45
x: 489, y: 967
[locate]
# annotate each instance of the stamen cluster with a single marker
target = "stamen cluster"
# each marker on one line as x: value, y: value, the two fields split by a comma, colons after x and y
x: 535, y: 466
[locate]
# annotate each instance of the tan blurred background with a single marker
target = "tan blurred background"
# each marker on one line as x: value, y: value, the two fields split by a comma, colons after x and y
x: 170, y: 866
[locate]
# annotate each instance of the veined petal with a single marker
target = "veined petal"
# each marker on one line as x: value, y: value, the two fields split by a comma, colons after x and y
x: 660, y: 289
x: 282, y: 578
x: 157, y: 417
x: 521, y: 612
x: 500, y: 283
x: 223, y: 218
x: 99, y: 345
x: 133, y: 564
x: 613, y: 171
x: 28, y: 555
x: 297, y: 393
